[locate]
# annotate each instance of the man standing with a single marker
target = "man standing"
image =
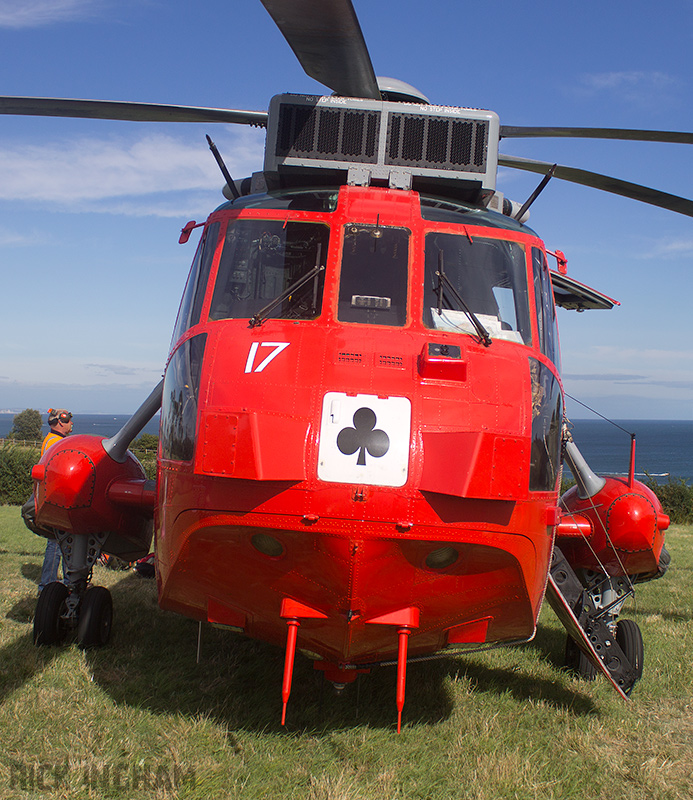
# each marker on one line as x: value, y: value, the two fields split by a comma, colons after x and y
x: 60, y: 424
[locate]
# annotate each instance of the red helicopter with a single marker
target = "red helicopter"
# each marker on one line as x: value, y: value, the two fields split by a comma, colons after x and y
x: 362, y: 417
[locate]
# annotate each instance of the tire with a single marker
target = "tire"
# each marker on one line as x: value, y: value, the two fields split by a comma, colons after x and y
x: 49, y: 628
x: 629, y: 639
x: 576, y: 661
x: 95, y: 618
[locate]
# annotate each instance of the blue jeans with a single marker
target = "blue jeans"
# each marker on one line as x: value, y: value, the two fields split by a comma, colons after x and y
x: 51, y: 562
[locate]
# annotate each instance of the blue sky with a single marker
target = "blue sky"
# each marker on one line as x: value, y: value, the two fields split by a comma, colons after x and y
x: 90, y: 211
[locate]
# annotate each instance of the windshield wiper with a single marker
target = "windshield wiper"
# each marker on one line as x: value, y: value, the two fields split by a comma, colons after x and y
x: 443, y: 280
x: 260, y: 317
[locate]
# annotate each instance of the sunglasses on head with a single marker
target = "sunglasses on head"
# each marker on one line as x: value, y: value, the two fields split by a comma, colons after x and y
x: 63, y: 416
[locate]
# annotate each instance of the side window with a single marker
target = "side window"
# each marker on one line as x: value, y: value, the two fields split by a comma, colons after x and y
x: 547, y: 422
x: 546, y: 310
x: 374, y: 275
x: 179, y: 400
x: 194, y: 294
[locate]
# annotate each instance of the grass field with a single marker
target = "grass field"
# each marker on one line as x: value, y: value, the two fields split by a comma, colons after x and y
x: 141, y: 718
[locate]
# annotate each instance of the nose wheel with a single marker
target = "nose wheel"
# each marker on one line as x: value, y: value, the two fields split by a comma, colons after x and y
x: 59, y: 612
x: 78, y: 608
x: 629, y: 638
x: 576, y: 661
x: 50, y: 624
x: 95, y: 618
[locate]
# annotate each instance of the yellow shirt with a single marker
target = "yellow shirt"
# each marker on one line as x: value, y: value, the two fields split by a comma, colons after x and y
x: 51, y: 439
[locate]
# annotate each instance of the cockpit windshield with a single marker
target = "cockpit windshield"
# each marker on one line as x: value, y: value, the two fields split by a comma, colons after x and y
x: 263, y: 258
x: 373, y: 283
x: 489, y: 276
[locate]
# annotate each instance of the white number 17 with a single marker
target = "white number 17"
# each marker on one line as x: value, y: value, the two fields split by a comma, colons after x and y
x: 250, y: 361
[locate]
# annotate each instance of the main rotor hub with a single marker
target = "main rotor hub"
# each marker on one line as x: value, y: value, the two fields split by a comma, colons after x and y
x: 396, y: 91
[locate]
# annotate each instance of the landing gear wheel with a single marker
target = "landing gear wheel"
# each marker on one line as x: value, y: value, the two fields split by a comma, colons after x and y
x: 49, y: 627
x: 95, y: 618
x: 577, y: 661
x: 629, y: 639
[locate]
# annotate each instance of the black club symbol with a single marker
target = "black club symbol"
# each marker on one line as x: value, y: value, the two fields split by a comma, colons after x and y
x: 362, y: 437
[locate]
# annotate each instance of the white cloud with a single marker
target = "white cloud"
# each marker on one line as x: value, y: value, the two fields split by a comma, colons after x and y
x: 669, y: 248
x: 10, y: 238
x: 74, y: 174
x: 612, y: 369
x: 609, y: 376
x: 632, y: 86
x: 619, y: 80
x: 621, y: 355
x: 121, y: 370
x: 189, y: 204
x: 34, y: 13
x: 642, y: 380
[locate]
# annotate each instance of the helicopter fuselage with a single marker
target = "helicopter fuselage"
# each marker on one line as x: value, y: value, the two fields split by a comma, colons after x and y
x: 361, y: 425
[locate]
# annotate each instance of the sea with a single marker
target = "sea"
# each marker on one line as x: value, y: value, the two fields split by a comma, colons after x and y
x: 663, y: 448
x: 100, y: 424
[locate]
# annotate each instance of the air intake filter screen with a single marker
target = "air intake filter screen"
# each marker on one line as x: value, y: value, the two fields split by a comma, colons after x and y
x: 338, y: 134
x: 437, y: 142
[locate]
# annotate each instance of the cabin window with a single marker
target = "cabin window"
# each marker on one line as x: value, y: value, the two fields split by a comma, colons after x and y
x: 547, y: 424
x: 374, y: 276
x: 194, y: 294
x: 546, y: 310
x: 488, y: 276
x: 179, y: 400
x: 261, y: 259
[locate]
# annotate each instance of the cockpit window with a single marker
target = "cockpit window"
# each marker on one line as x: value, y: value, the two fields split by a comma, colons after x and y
x: 321, y: 200
x: 373, y: 282
x: 439, y: 209
x: 489, y: 276
x: 263, y: 258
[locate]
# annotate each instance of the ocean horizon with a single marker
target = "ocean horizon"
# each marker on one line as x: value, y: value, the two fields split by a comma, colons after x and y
x: 99, y: 424
x: 663, y: 448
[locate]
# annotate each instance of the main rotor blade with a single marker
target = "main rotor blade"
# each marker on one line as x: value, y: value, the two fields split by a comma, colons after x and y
x: 678, y: 137
x: 136, y: 112
x: 326, y: 37
x: 593, y: 179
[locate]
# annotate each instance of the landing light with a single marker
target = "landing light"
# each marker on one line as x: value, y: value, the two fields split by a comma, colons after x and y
x: 267, y: 545
x: 441, y: 558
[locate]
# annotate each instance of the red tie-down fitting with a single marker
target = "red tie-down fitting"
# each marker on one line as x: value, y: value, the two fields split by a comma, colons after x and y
x: 405, y: 619
x: 293, y: 611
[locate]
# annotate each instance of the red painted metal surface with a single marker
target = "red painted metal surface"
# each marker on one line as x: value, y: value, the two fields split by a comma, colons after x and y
x: 356, y: 551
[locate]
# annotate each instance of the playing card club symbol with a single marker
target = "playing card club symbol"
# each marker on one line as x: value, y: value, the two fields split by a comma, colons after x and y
x: 363, y: 437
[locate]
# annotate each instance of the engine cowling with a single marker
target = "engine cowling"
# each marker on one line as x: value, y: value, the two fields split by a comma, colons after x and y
x: 81, y: 489
x: 620, y: 528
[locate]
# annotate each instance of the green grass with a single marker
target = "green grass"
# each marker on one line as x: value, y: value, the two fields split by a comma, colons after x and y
x: 141, y: 718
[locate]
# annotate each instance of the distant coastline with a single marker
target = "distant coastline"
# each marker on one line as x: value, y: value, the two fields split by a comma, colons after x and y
x: 100, y: 424
x: 663, y: 447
